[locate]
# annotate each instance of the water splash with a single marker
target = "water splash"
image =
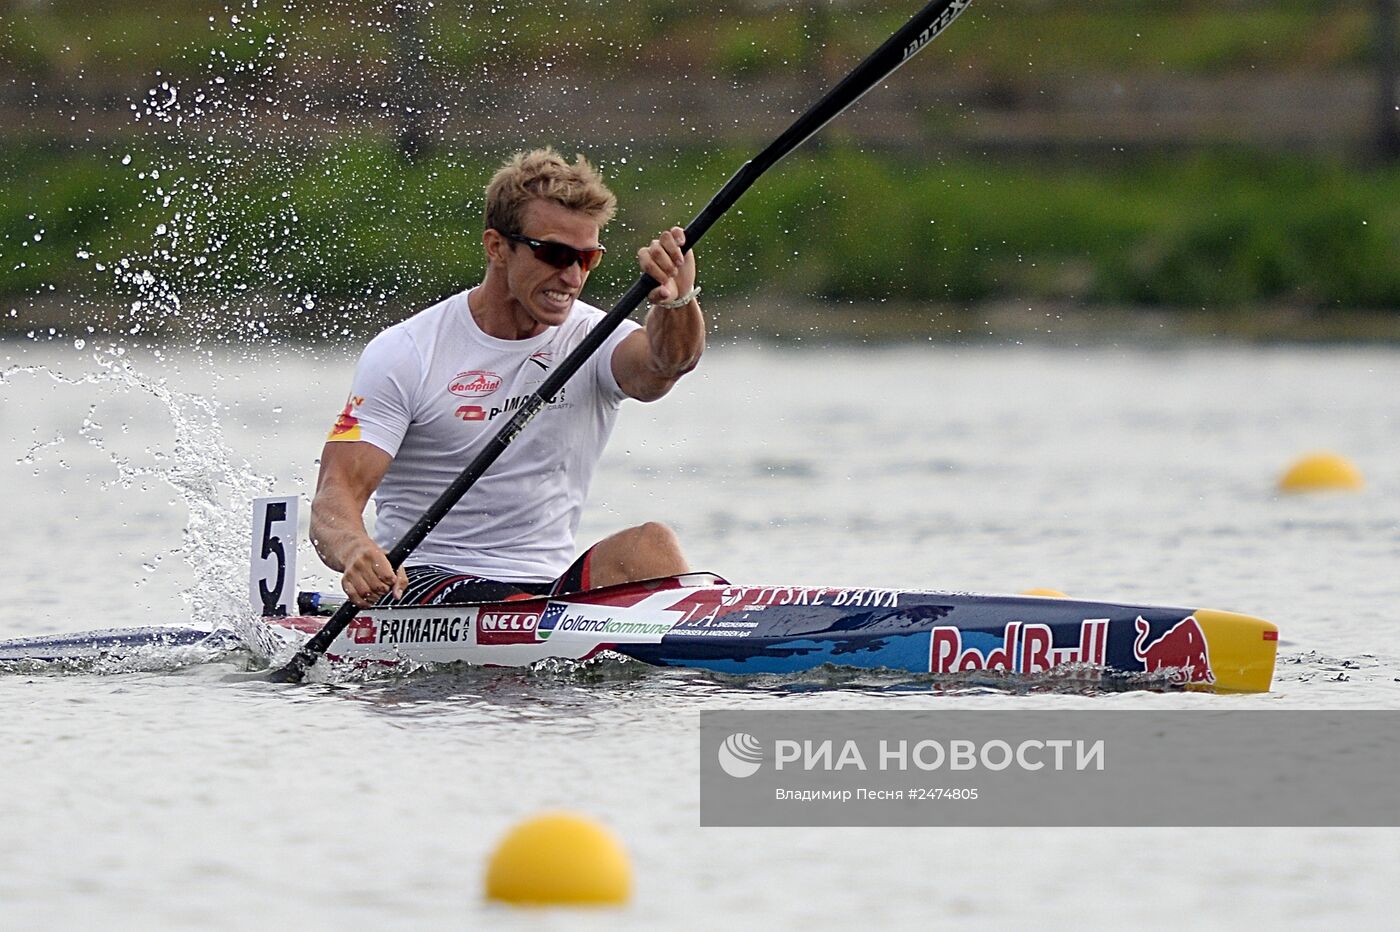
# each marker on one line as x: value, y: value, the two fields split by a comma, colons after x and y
x: 149, y: 658
x: 215, y: 486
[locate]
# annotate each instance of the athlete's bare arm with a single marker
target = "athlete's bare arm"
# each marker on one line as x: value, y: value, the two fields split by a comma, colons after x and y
x: 350, y: 472
x: 648, y: 362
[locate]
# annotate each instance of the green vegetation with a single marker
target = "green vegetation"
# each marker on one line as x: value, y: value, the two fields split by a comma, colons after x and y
x: 316, y: 220
x: 1001, y: 39
x: 354, y: 225
x: 1222, y: 231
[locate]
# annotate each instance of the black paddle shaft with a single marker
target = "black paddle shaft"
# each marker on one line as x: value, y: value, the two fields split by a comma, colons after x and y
x: 896, y: 50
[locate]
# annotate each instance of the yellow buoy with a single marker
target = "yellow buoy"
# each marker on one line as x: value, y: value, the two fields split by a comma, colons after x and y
x: 1046, y: 593
x: 558, y: 858
x: 1321, y: 472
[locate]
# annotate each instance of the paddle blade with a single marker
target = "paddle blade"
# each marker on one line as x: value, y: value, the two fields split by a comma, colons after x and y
x: 305, y: 659
x: 295, y: 669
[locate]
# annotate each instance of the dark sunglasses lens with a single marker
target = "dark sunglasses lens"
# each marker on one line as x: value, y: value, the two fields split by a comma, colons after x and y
x: 588, y: 258
x: 561, y: 256
x: 556, y: 254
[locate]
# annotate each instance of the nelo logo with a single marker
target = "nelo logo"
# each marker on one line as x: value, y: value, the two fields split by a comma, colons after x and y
x: 474, y: 384
x: 741, y: 755
x: 497, y: 627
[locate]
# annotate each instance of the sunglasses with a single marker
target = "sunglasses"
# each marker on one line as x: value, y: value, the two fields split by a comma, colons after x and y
x: 559, y: 255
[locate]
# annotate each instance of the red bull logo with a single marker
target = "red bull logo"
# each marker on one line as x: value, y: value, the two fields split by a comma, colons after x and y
x: 1024, y: 649
x: 1181, y: 652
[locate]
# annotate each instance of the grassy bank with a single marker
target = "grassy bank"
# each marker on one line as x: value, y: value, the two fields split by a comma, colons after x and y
x: 352, y: 226
x: 132, y: 39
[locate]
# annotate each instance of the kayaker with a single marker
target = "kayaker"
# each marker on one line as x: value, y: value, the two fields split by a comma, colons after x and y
x: 430, y: 391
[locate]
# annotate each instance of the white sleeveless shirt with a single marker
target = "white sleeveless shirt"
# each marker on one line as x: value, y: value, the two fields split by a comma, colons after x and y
x: 432, y: 390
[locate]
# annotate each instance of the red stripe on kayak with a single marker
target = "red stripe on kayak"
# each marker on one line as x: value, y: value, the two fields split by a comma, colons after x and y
x: 308, y: 623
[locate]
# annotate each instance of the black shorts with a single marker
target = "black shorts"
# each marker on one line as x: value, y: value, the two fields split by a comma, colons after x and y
x: 437, y: 585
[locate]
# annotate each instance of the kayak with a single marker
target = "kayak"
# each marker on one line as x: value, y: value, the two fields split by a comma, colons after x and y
x: 702, y: 621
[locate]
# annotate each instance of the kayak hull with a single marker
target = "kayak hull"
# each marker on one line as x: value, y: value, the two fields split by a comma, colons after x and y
x: 701, y: 621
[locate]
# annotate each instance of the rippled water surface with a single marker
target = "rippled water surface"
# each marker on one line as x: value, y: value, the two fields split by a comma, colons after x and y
x: 186, y: 795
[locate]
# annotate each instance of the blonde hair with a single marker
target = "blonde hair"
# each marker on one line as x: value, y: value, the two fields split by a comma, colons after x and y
x: 544, y: 174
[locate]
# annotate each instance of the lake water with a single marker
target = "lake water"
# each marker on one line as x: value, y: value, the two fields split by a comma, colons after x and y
x: 185, y: 797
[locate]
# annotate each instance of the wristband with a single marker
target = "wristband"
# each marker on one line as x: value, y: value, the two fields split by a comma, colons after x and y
x: 682, y: 301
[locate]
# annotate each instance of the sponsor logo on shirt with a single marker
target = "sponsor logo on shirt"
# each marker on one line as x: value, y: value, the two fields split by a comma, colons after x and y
x: 347, y: 426
x: 478, y: 413
x: 474, y: 384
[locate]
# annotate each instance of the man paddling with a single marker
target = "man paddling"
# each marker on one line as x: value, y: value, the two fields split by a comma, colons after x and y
x: 430, y: 392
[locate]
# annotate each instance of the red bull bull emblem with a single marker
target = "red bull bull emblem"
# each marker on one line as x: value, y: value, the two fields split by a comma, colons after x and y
x: 1181, y: 652
x: 1024, y: 649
